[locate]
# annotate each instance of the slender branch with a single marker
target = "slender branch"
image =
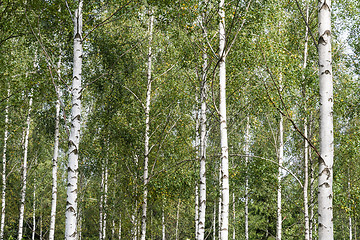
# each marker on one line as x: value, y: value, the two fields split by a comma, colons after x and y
x: 307, y: 24
x: 106, y: 20
x: 272, y: 161
x: 239, y: 29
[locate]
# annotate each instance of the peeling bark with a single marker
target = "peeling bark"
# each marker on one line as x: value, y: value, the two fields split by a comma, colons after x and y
x: 24, y: 174
x: 3, y: 192
x: 74, y: 138
x: 147, y: 128
x: 54, y: 163
x: 326, y: 123
x: 224, y: 229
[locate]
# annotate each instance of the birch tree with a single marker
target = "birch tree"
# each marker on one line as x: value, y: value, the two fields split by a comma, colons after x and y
x: 224, y: 229
x: 147, y: 127
x: 203, y: 90
x: 74, y: 138
x: 306, y: 144
x: 279, y: 177
x: 25, y: 169
x: 3, y: 192
x: 325, y: 195
x: 54, y: 162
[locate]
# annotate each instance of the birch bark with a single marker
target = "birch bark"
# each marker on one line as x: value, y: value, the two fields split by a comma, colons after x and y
x: 24, y: 174
x: 202, y: 193
x: 101, y: 207
x: 34, y: 212
x: 147, y: 127
x: 54, y: 162
x: 163, y: 223
x: 105, y: 199
x: 177, y: 221
x: 74, y: 138
x: 281, y: 157
x: 3, y: 193
x: 325, y: 179
x: 214, y: 221
x: 247, y: 153
x: 306, y: 144
x: 224, y: 230
x: 120, y: 228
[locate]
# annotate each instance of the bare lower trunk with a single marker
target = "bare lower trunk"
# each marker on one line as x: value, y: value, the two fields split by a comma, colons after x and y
x: 326, y: 160
x: 134, y: 223
x: 105, y: 199
x: 220, y: 202
x: 34, y: 212
x: 312, y: 198
x: 224, y: 230
x: 350, y: 208
x: 120, y: 228
x: 234, y: 217
x: 163, y: 223
x: 54, y: 166
x: 306, y: 147
x: 306, y: 183
x: 74, y: 138
x: 101, y: 204
x: 24, y: 175
x: 196, y: 210
x: 41, y: 223
x: 177, y: 221
x: 3, y: 193
x: 214, y: 222
x: 281, y: 156
x: 247, y: 153
x: 147, y: 128
x: 202, y: 193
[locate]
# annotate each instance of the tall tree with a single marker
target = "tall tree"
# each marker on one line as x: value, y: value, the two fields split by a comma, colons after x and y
x: 3, y: 192
x: 224, y: 227
x: 25, y: 170
x: 54, y: 161
x: 325, y: 196
x: 147, y: 126
x: 74, y: 138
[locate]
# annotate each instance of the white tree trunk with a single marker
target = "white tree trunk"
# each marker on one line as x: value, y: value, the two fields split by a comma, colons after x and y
x: 234, y: 217
x: 147, y: 127
x: 163, y: 224
x: 202, y: 193
x: 134, y: 222
x: 3, y: 193
x: 281, y: 157
x: 101, y: 204
x: 325, y: 195
x: 34, y: 212
x: 214, y: 222
x: 350, y: 220
x: 105, y: 199
x: 306, y: 183
x: 220, y: 202
x: 120, y: 228
x: 247, y: 153
x: 306, y: 147
x: 24, y: 175
x: 177, y: 221
x: 197, y: 151
x: 196, y: 209
x: 113, y: 229
x: 41, y: 222
x: 74, y: 138
x: 224, y: 230
x: 312, y: 183
x: 54, y: 163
